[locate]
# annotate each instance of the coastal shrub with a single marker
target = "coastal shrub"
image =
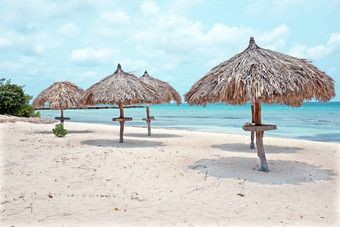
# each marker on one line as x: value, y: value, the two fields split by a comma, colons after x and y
x: 14, y: 101
x: 59, y: 130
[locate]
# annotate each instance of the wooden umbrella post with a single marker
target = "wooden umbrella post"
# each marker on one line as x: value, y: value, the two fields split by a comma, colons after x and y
x: 148, y: 119
x: 259, y: 128
x: 62, y: 118
x: 252, y: 134
x: 121, y: 120
x: 121, y: 110
x: 259, y: 138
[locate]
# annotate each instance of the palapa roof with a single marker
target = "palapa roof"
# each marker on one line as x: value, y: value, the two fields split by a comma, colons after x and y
x: 59, y: 95
x: 121, y: 88
x: 261, y: 75
x: 162, y: 88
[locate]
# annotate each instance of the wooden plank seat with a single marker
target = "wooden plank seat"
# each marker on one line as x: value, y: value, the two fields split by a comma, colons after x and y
x: 62, y: 118
x: 258, y: 128
x: 122, y: 119
x: 151, y: 118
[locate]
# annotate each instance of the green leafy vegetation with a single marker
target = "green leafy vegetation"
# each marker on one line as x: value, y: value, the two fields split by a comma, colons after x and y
x: 14, y: 101
x: 59, y: 130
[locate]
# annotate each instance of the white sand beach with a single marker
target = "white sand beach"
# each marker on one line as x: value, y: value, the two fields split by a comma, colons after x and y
x: 173, y: 178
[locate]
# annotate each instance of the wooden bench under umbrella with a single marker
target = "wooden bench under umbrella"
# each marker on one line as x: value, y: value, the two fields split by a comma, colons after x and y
x: 59, y: 96
x: 166, y: 90
x: 120, y: 88
x: 258, y: 75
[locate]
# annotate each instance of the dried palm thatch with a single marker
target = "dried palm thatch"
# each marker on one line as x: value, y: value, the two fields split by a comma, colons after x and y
x: 60, y: 96
x: 261, y: 75
x: 162, y: 87
x: 121, y: 88
x: 258, y: 76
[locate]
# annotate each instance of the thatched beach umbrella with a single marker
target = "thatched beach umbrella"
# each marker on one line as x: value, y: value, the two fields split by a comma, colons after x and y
x: 120, y: 88
x: 60, y: 96
x: 258, y: 76
x: 163, y: 88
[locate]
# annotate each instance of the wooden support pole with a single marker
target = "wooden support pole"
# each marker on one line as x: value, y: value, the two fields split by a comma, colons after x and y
x: 252, y: 135
x: 260, y: 150
x: 148, y: 119
x: 121, y: 140
x: 62, y: 116
x: 259, y: 138
x: 147, y: 111
x: 257, y: 114
x: 121, y: 111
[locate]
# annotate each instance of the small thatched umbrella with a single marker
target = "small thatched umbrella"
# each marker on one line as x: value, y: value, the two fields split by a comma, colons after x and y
x: 120, y: 88
x: 60, y: 96
x: 163, y: 88
x: 258, y: 76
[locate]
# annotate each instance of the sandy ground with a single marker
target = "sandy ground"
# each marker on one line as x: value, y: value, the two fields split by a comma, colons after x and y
x: 174, y: 177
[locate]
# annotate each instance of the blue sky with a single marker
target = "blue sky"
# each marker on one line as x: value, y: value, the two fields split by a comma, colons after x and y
x: 177, y: 41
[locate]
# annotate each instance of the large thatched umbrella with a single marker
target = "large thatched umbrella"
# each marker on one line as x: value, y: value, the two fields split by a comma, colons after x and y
x: 60, y: 96
x: 258, y: 76
x: 120, y: 88
x: 163, y: 88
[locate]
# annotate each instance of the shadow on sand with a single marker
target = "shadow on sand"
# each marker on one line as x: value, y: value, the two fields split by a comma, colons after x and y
x: 68, y: 131
x: 127, y: 143
x: 280, y: 171
x: 244, y: 148
x: 153, y: 135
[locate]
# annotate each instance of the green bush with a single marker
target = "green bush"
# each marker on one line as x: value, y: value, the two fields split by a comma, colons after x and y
x: 14, y: 101
x: 28, y: 111
x: 59, y: 130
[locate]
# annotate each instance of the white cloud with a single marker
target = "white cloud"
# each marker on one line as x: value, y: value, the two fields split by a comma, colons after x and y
x: 221, y: 33
x: 174, y: 38
x: 105, y: 32
x: 11, y: 66
x: 319, y: 51
x: 114, y: 18
x: 141, y: 64
x: 110, y: 24
x: 5, y: 42
x: 86, y: 76
x: 36, y: 10
x: 177, y: 40
x: 184, y: 5
x: 29, y: 44
x: 280, y: 6
x: 90, y: 56
x: 149, y: 7
x: 69, y: 29
x: 37, y: 48
x: 334, y: 39
x: 256, y: 8
x: 274, y: 39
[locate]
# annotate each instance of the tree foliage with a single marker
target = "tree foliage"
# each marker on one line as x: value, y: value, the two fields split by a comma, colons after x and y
x: 14, y: 101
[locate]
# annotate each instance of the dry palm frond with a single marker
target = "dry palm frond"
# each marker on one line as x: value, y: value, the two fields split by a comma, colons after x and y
x: 60, y: 95
x: 261, y: 75
x: 162, y: 88
x: 120, y: 88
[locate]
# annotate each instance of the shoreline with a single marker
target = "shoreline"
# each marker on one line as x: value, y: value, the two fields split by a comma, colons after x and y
x: 41, y: 120
x: 88, y: 178
x: 313, y: 122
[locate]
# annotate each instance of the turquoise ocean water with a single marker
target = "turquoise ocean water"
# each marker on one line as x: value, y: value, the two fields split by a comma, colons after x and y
x: 312, y: 121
